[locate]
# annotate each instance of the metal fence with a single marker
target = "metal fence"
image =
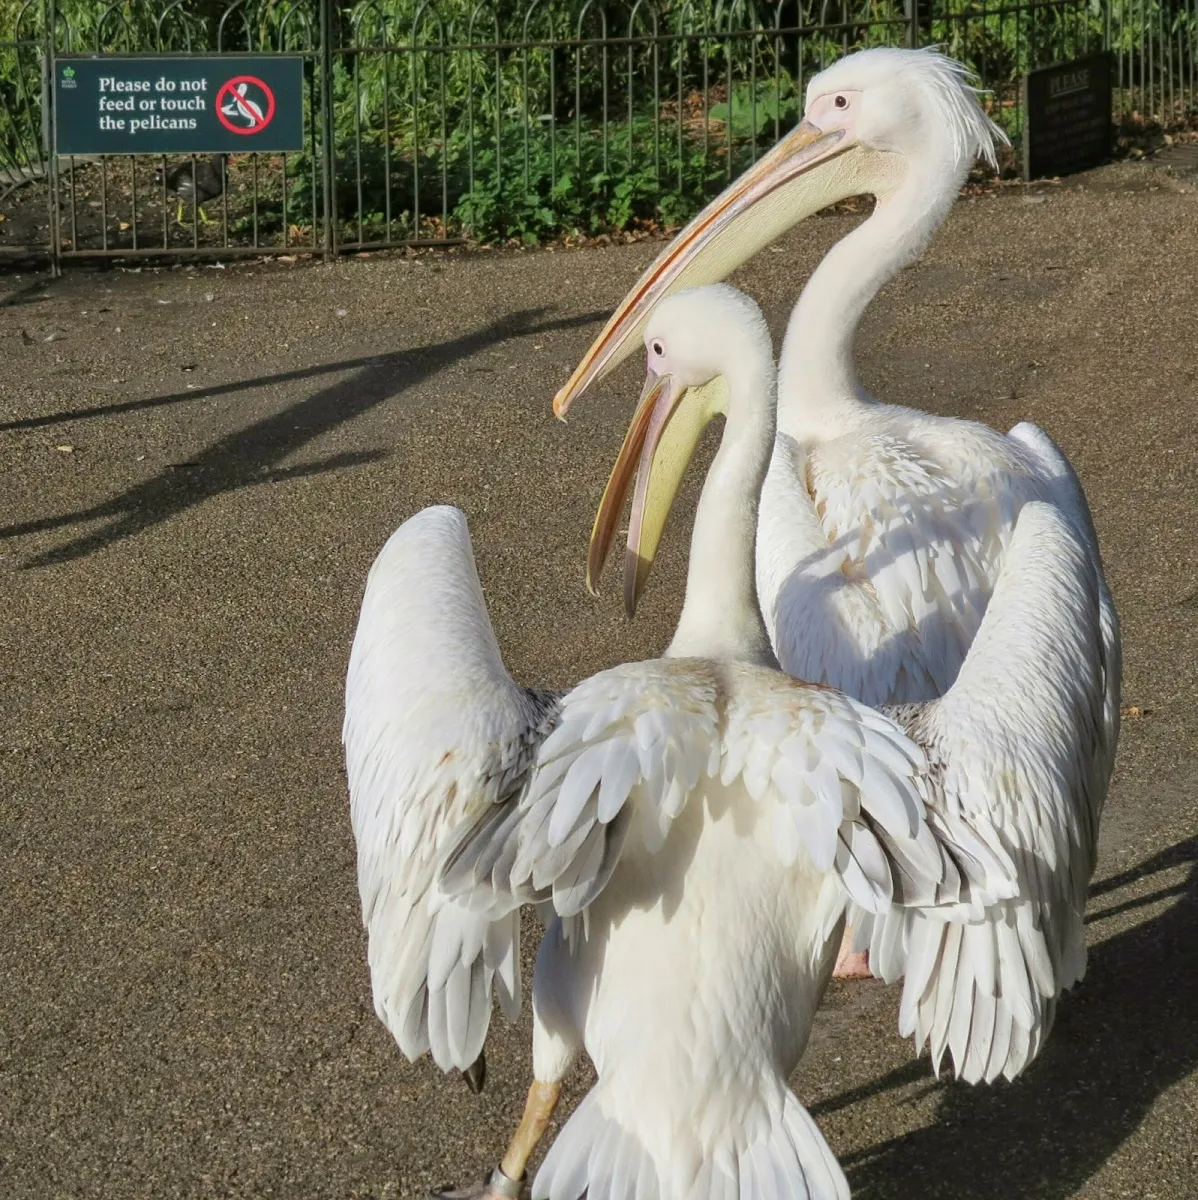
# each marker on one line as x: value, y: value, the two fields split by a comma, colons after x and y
x: 433, y: 121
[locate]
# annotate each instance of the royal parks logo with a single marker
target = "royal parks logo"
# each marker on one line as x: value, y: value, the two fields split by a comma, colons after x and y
x: 68, y: 77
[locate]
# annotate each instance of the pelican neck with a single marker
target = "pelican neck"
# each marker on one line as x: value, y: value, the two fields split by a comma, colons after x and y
x: 819, y: 394
x: 721, y: 617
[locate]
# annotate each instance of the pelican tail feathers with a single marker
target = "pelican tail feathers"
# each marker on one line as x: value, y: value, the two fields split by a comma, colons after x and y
x: 600, y: 1156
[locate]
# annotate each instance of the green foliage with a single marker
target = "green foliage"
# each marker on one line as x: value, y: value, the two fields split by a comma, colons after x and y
x: 753, y: 111
x: 533, y: 133
x: 568, y: 188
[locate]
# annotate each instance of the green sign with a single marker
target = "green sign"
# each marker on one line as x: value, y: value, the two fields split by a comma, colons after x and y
x: 198, y: 104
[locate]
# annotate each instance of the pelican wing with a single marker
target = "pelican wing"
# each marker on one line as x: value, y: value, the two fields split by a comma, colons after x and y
x: 1068, y: 495
x: 847, y: 790
x: 838, y: 785
x: 875, y: 553
x: 1014, y: 747
x: 436, y: 733
x: 630, y: 746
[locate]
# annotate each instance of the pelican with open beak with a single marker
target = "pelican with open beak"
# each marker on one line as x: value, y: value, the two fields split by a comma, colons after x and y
x: 657, y: 463
x: 695, y: 373
x: 692, y: 827
x: 882, y: 530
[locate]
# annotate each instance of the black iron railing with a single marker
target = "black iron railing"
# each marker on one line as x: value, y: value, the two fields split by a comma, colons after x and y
x: 428, y: 123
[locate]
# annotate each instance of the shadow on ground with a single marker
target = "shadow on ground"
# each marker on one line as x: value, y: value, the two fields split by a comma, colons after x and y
x: 1128, y: 1034
x: 253, y: 455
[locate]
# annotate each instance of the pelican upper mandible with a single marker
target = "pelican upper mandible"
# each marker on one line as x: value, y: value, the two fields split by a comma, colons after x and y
x: 698, y: 823
x: 882, y: 529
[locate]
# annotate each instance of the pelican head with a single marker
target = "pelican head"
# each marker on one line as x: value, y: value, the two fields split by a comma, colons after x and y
x: 694, y: 341
x: 870, y: 120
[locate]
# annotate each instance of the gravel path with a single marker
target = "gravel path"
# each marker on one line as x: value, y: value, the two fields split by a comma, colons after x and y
x: 196, y: 469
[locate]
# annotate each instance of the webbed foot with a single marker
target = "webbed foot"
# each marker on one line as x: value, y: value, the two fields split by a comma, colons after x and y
x: 496, y: 1186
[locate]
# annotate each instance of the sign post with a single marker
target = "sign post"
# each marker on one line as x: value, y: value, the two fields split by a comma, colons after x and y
x: 166, y: 104
x: 1067, y: 123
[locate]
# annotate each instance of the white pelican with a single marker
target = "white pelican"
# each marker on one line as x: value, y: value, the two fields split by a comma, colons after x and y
x: 698, y: 822
x: 882, y: 529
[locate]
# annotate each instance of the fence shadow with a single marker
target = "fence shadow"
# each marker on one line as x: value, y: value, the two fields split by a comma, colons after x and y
x: 1127, y: 1034
x: 254, y: 455
x: 34, y: 292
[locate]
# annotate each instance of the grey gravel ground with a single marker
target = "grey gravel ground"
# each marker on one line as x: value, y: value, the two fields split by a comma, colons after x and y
x: 184, y: 1003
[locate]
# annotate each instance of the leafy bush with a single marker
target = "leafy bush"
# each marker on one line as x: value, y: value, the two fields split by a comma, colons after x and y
x: 500, y: 119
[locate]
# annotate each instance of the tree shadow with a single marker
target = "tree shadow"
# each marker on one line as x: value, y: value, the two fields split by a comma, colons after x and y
x: 198, y: 393
x: 254, y: 455
x: 1128, y: 1033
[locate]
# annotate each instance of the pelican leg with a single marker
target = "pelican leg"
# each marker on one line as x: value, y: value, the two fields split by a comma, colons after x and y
x: 850, y: 963
x: 205, y: 219
x: 538, y: 1112
x: 506, y: 1182
x: 179, y: 212
x: 555, y: 1046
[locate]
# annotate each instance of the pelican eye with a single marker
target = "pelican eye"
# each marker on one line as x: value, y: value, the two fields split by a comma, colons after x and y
x: 841, y: 101
x: 657, y: 348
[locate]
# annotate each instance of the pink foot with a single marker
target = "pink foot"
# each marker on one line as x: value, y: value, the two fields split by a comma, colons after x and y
x: 850, y: 963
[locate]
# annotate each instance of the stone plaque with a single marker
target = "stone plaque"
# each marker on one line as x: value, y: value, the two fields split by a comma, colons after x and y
x: 1067, y: 123
x: 175, y: 104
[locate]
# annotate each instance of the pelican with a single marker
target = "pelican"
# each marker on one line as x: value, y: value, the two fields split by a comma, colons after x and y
x: 696, y: 824
x: 882, y: 529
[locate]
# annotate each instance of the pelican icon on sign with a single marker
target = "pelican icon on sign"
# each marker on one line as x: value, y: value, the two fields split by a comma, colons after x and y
x: 245, y: 105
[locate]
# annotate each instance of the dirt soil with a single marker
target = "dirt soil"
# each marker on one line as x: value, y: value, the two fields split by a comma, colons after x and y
x: 122, y: 205
x: 196, y: 469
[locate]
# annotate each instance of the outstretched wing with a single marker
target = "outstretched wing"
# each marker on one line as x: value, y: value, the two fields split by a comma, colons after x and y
x: 840, y: 785
x: 1068, y: 495
x: 847, y: 789
x: 435, y: 734
x: 1015, y: 745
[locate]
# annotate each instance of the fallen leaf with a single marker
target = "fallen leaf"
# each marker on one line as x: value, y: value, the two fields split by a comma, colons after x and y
x: 67, y: 449
x: 122, y: 225
x: 1134, y: 710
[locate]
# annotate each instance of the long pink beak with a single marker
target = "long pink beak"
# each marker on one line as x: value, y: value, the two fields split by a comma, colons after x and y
x: 718, y: 240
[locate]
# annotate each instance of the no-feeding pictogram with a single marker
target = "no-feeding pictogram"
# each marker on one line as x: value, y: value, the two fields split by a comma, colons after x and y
x: 245, y: 104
